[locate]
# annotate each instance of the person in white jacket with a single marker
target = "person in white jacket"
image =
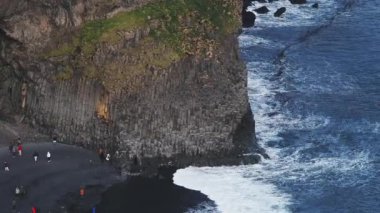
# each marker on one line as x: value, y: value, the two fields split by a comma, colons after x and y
x: 48, y: 156
x: 35, y: 156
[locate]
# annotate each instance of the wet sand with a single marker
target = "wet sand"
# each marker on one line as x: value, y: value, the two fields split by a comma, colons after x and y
x: 47, y: 183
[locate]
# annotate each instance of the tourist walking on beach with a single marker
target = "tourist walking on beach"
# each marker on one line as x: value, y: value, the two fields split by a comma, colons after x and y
x: 108, y: 157
x: 17, y: 191
x: 6, y: 166
x: 35, y: 156
x: 48, y: 156
x: 19, y: 149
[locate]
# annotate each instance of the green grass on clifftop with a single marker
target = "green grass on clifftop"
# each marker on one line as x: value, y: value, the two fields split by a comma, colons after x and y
x: 204, y: 15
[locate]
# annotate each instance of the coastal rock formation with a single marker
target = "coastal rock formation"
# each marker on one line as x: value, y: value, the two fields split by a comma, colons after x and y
x: 279, y: 12
x: 298, y: 1
x: 152, y: 82
x: 248, y: 18
x: 246, y: 4
x: 260, y: 1
x: 262, y: 10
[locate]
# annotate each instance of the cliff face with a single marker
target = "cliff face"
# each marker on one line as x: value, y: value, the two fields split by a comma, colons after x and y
x: 150, y: 81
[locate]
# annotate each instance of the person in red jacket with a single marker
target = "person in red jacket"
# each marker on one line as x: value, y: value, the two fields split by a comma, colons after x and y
x: 19, y: 149
x: 34, y: 209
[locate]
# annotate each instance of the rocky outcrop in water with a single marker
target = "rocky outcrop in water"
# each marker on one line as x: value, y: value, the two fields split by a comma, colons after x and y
x: 262, y: 10
x: 279, y: 12
x: 298, y: 1
x: 248, y: 18
x: 154, y: 81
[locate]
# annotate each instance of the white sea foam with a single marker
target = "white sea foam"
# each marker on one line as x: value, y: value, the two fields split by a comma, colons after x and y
x: 231, y: 190
x: 247, y: 40
x: 204, y: 207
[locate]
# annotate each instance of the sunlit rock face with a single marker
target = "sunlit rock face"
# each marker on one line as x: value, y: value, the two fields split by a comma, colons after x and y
x: 152, y: 82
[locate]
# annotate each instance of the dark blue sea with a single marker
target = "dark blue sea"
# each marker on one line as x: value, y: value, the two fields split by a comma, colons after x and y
x: 314, y: 88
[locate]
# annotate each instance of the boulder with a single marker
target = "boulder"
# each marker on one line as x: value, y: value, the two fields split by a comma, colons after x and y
x: 262, y: 10
x: 315, y: 5
x: 248, y: 19
x: 297, y: 1
x: 246, y: 3
x: 279, y: 12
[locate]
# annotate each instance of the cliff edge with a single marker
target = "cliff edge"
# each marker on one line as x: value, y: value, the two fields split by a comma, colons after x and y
x: 152, y: 82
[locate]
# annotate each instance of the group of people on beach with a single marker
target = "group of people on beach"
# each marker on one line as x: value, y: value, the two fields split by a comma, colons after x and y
x: 16, y: 147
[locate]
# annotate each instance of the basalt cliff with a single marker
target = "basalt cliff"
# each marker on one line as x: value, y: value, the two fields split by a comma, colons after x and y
x: 154, y: 82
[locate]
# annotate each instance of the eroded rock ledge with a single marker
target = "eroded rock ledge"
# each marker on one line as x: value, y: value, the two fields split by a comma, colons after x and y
x: 152, y: 82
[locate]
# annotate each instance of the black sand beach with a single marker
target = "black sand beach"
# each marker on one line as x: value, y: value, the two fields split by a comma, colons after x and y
x: 48, y: 183
x: 54, y: 186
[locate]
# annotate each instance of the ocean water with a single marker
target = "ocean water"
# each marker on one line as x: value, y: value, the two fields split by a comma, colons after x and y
x: 314, y: 88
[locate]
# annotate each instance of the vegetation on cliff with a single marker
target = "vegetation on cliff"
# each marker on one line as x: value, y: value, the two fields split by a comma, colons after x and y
x: 181, y: 24
x: 176, y: 28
